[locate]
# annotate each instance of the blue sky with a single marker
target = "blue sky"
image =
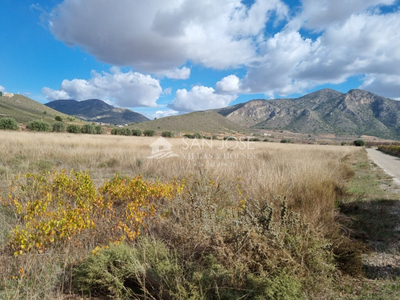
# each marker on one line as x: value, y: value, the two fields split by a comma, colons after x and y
x: 168, y: 57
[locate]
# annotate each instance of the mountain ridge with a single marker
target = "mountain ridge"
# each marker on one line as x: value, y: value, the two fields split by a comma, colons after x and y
x: 324, y: 111
x: 95, y: 110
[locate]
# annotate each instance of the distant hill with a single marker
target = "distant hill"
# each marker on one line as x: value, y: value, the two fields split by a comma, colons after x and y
x: 326, y: 111
x: 24, y: 110
x: 95, y: 110
x: 200, y: 121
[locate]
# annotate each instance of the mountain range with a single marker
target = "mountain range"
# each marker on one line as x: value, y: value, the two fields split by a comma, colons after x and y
x: 357, y: 112
x: 95, y: 110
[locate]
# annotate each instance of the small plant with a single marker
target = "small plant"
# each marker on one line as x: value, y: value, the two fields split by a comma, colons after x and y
x: 359, y: 143
x: 58, y: 127
x: 149, y: 132
x: 38, y: 125
x: 8, y: 124
x: 167, y: 134
x: 73, y: 128
x: 88, y: 129
x: 58, y: 118
x: 343, y: 143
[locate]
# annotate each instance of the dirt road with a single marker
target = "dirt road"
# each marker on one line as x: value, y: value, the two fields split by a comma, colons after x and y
x: 390, y: 164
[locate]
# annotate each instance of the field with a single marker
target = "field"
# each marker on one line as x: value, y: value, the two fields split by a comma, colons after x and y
x: 223, y: 221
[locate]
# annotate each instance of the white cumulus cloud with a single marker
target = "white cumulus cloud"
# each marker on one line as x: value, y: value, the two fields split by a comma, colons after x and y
x: 128, y: 89
x: 158, y: 35
x: 229, y: 84
x: 199, y: 98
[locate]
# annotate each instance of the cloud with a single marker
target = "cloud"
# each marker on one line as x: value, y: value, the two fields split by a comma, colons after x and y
x: 199, y: 98
x: 159, y: 35
x: 229, y: 84
x: 2, y: 89
x: 128, y: 89
x: 55, y: 94
x: 289, y: 63
x: 384, y: 85
x: 183, y: 73
x: 165, y: 113
x: 319, y: 15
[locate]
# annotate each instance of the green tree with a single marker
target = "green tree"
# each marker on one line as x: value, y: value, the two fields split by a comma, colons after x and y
x: 38, y: 125
x: 167, y: 134
x: 99, y: 129
x: 58, y: 127
x: 88, y: 129
x: 149, y: 132
x: 58, y: 118
x: 359, y: 143
x: 73, y: 128
x: 9, y: 124
x: 136, y: 132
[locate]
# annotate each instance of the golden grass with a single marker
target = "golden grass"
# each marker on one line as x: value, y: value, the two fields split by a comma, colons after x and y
x: 311, y: 178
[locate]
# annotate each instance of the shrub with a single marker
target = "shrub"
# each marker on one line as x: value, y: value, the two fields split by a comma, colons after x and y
x: 286, y: 141
x: 254, y: 140
x: 73, y: 128
x: 167, y: 134
x: 58, y: 118
x: 136, y: 132
x: 8, y: 124
x: 88, y: 129
x: 58, y: 127
x: 58, y: 208
x: 149, y: 132
x: 114, y: 131
x: 99, y: 130
x: 38, y: 125
x: 359, y: 143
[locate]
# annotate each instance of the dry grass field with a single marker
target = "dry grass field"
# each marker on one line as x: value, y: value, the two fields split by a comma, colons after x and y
x: 250, y: 220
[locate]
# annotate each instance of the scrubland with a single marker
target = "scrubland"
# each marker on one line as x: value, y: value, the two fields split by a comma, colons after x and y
x: 260, y: 222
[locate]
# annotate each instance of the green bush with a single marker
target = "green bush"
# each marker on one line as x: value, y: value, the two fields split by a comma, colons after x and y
x: 58, y: 118
x: 121, y: 131
x: 88, y: 129
x: 114, y: 131
x: 136, y: 132
x: 73, y: 128
x: 149, y: 132
x: 38, y: 125
x: 286, y: 141
x: 99, y: 130
x: 58, y: 127
x: 359, y: 143
x: 9, y: 124
x: 167, y: 134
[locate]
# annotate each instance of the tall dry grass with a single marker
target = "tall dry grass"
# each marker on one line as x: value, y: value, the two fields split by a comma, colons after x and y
x: 283, y: 197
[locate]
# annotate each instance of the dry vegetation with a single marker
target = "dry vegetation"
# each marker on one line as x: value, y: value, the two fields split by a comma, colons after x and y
x: 256, y: 223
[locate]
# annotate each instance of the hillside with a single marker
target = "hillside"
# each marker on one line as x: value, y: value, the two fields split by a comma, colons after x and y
x: 24, y: 110
x: 95, y: 110
x: 201, y: 121
x: 326, y: 111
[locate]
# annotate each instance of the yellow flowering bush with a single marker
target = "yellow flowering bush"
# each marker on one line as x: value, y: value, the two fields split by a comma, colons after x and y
x: 57, y: 207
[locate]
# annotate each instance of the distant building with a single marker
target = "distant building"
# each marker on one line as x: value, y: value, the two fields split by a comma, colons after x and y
x: 9, y: 95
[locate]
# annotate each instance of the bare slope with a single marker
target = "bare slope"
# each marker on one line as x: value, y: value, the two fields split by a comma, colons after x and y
x: 201, y: 121
x: 23, y: 109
